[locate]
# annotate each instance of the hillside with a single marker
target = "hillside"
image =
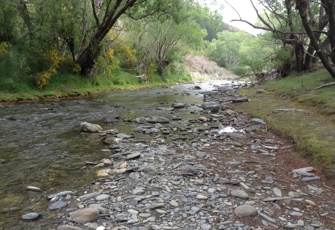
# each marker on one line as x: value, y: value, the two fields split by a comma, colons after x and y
x: 202, y: 68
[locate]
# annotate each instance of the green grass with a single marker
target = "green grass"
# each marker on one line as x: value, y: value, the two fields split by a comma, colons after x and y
x: 313, y: 130
x: 67, y: 85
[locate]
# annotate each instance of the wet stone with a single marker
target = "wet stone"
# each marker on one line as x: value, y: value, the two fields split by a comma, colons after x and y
x: 57, y: 205
x: 30, y: 216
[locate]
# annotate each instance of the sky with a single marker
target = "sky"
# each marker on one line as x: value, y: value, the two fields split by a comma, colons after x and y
x: 243, y: 7
x: 245, y: 10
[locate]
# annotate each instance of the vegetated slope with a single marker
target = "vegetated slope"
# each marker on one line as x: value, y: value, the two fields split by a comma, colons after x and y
x: 203, y: 69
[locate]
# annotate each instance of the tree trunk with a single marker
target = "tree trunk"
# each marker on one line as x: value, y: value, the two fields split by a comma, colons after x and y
x: 87, y: 57
x: 301, y: 6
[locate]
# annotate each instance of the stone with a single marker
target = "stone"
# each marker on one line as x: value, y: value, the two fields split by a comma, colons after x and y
x: 57, y: 205
x: 306, y: 179
x: 201, y: 197
x: 90, y: 128
x: 69, y: 227
x: 152, y: 119
x: 102, y: 197
x: 277, y: 191
x: 174, y: 203
x: 213, y: 107
x: 33, y: 188
x: 84, y: 215
x: 179, y: 105
x: 133, y: 155
x: 240, y: 194
x: 245, y: 211
x: 30, y: 216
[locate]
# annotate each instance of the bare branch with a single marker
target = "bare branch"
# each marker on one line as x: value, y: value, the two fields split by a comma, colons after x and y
x: 95, y: 13
x: 234, y: 9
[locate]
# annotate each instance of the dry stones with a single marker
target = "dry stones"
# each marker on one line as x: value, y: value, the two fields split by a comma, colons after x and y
x: 85, y: 215
x: 245, y: 210
x: 68, y: 227
x: 240, y: 194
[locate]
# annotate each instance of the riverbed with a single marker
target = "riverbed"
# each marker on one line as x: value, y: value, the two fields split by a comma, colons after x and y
x: 42, y: 146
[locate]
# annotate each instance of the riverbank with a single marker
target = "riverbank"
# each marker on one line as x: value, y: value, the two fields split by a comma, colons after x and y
x: 296, y: 107
x: 197, y: 68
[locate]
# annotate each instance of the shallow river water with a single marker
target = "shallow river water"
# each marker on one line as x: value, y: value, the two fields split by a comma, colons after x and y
x: 42, y: 146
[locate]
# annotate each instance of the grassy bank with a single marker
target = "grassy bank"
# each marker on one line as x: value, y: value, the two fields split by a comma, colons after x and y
x: 68, y: 85
x: 295, y: 107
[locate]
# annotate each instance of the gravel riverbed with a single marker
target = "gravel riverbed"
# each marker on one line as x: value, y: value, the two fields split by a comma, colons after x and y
x: 223, y: 170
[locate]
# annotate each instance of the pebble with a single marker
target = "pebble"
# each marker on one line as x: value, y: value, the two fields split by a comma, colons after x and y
x: 245, y: 210
x: 57, y: 205
x: 85, y: 215
x: 30, y: 216
x: 102, y: 197
x: 240, y: 194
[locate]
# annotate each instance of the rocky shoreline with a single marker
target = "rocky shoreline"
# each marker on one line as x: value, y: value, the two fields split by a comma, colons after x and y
x: 223, y: 170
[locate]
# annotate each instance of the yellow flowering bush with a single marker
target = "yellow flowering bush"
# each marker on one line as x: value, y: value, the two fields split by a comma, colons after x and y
x: 4, y: 48
x: 55, y: 62
x: 151, y: 70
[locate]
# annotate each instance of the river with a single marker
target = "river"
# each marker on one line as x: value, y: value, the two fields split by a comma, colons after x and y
x: 42, y: 146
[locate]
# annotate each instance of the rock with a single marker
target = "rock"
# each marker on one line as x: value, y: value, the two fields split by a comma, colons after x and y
x: 133, y: 155
x: 240, y: 99
x: 306, y: 179
x: 33, y: 188
x: 84, y: 215
x: 240, y: 194
x: 174, y: 203
x: 261, y: 91
x: 306, y: 169
x: 68, y: 227
x: 91, y: 128
x: 102, y: 197
x: 57, y: 205
x: 152, y: 119
x: 257, y: 121
x: 201, y: 197
x: 189, y: 170
x: 30, y: 216
x: 179, y: 105
x: 214, y: 107
x: 277, y: 191
x: 245, y: 210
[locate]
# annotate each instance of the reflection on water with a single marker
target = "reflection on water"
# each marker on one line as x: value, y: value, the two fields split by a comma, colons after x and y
x: 41, y: 144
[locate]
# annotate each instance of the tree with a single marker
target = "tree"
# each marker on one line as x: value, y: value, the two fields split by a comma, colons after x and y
x: 161, y: 40
x: 106, y: 15
x: 303, y: 8
x: 225, y: 50
x: 281, y: 19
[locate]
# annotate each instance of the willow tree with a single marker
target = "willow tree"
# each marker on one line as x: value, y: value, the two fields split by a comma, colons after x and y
x: 106, y: 14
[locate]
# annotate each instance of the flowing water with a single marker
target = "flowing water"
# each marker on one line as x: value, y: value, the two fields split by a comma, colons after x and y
x: 41, y: 144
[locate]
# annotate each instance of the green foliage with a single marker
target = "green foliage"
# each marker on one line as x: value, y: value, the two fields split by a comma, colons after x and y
x: 225, y: 49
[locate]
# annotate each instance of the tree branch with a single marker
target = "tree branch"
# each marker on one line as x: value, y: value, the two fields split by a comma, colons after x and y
x: 95, y: 13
